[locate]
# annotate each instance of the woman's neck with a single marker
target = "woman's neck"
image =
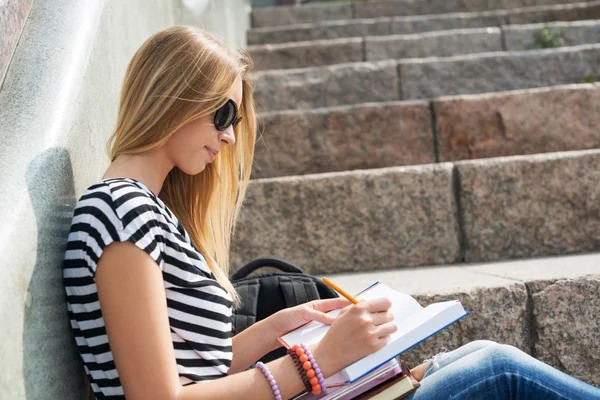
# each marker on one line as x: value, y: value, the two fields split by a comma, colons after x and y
x: 150, y: 168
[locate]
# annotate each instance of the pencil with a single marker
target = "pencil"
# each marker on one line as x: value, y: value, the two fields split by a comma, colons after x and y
x: 339, y: 290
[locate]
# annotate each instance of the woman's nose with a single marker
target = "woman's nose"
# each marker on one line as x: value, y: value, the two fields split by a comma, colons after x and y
x: 228, y: 136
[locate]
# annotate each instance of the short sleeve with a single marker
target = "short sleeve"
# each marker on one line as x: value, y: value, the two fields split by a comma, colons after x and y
x: 142, y: 223
x: 107, y: 214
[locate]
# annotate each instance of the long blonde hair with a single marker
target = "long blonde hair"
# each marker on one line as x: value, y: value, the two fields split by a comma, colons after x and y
x: 179, y: 74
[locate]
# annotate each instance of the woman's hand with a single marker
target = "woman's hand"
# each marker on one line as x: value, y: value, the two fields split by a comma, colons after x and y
x: 359, y: 330
x: 288, y: 319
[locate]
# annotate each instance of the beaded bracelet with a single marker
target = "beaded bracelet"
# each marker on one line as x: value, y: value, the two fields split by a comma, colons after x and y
x: 305, y: 380
x: 319, y: 375
x: 309, y: 369
x: 270, y: 378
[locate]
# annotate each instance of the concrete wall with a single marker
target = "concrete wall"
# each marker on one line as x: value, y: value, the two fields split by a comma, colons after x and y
x: 58, y: 107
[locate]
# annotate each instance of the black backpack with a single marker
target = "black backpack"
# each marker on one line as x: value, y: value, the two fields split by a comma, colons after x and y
x: 264, y: 295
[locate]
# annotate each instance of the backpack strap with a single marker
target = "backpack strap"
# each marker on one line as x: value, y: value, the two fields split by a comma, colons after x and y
x: 245, y: 315
x: 298, y: 290
x: 264, y: 262
x: 293, y: 292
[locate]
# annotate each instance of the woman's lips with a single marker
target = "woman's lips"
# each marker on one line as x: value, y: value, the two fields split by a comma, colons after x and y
x: 211, y: 155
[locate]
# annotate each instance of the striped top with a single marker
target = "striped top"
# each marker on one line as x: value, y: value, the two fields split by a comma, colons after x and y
x: 123, y: 209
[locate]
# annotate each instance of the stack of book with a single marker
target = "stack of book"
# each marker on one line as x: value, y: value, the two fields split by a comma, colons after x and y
x: 390, y: 381
x: 381, y: 375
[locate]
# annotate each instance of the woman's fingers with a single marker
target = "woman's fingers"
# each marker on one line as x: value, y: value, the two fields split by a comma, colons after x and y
x: 330, y: 304
x: 382, y: 317
x: 387, y: 329
x: 378, y: 305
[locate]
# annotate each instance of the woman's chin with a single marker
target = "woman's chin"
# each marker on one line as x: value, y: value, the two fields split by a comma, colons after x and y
x: 195, y: 170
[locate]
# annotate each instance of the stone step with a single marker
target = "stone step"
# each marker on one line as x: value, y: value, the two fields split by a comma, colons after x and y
x: 426, y: 78
x: 377, y: 135
x: 547, y: 307
x: 430, y: 44
x: 467, y: 211
x: 311, y: 13
x: 363, y: 136
x: 424, y: 23
x: 376, y: 48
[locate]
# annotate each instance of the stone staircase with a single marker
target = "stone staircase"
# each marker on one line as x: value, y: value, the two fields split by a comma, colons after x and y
x: 442, y: 147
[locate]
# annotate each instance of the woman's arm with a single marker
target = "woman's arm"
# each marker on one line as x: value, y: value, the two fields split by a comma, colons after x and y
x: 261, y: 337
x: 132, y: 297
x: 251, y: 344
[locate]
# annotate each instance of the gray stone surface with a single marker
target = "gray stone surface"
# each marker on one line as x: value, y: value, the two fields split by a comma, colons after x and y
x: 327, y: 86
x: 387, y: 8
x: 493, y: 72
x: 441, y: 22
x: 565, y: 12
x: 344, y: 138
x: 323, y: 30
x: 433, y: 44
x: 351, y: 221
x: 360, y: 27
x: 465, y: 278
x: 498, y: 313
x: 529, y: 206
x: 496, y: 18
x: 307, y: 54
x: 567, y: 325
x: 525, y: 37
x: 13, y: 15
x: 272, y: 16
x: 58, y: 106
x: 521, y: 122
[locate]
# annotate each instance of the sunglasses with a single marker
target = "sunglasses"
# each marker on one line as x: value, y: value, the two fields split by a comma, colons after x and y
x: 227, y: 115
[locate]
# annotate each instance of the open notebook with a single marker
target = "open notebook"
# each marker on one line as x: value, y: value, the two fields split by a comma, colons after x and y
x: 415, y: 324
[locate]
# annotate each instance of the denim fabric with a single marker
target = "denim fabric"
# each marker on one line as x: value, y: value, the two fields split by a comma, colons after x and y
x: 483, y: 370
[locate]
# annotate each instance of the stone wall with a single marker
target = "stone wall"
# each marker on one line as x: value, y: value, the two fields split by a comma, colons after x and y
x: 59, y: 102
x: 13, y: 15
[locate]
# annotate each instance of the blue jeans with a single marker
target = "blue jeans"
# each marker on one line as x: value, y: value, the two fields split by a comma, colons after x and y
x: 483, y: 370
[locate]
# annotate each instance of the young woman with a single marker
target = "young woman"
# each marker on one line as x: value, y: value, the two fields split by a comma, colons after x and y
x: 147, y: 263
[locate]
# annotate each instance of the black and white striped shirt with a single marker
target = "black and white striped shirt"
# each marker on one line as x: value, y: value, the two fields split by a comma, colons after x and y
x: 123, y: 209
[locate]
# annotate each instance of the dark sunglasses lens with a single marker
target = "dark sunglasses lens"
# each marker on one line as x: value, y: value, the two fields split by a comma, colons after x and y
x: 225, y: 116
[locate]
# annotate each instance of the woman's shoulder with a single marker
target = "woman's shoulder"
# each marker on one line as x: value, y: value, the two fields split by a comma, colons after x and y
x: 116, y: 202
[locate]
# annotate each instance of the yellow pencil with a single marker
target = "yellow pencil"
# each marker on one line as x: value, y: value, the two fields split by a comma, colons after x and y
x: 339, y: 290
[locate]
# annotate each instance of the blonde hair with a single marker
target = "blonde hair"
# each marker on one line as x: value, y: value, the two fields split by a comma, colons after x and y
x: 180, y: 74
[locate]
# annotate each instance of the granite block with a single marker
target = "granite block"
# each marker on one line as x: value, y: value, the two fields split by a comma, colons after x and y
x: 288, y: 15
x: 526, y: 37
x: 560, y: 12
x: 530, y: 206
x: 501, y: 71
x: 13, y: 15
x: 387, y: 8
x: 381, y: 8
x: 442, y: 22
x: 344, y: 138
x: 323, y: 30
x: 565, y: 314
x: 350, y: 221
x: 521, y: 122
x: 361, y: 27
x: 434, y: 44
x: 497, y: 313
x: 327, y: 86
x: 307, y: 54
x: 496, y: 18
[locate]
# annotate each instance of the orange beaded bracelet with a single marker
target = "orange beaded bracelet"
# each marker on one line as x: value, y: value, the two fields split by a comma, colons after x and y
x: 310, y: 368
